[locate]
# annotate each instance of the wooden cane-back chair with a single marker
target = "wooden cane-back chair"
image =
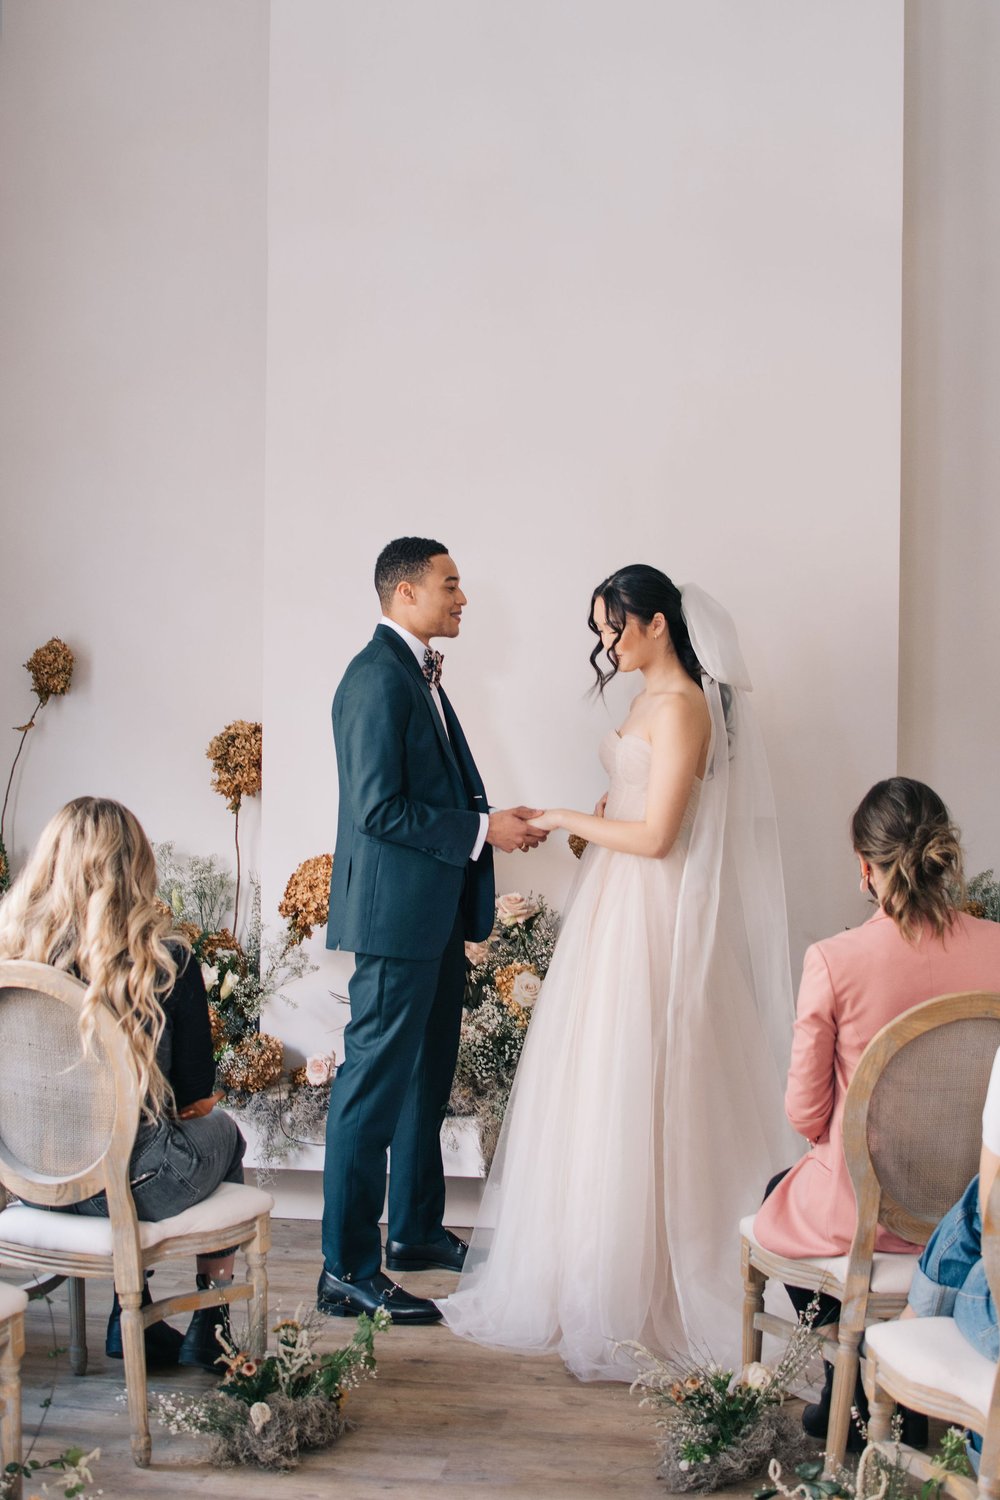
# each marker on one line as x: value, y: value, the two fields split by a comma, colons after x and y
x: 928, y: 1365
x: 13, y: 1301
x: 68, y: 1121
x: 912, y: 1129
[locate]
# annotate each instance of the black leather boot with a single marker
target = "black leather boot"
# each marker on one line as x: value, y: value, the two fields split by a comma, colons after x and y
x: 816, y: 1417
x: 163, y: 1343
x: 201, y: 1346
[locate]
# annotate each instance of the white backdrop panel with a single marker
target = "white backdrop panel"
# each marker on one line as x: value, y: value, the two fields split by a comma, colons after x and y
x: 569, y: 285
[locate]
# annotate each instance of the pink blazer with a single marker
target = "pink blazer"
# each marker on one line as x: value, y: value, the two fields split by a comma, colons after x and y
x: 852, y: 985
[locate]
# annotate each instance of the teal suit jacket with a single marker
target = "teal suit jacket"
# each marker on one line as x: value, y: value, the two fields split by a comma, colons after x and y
x: 410, y: 799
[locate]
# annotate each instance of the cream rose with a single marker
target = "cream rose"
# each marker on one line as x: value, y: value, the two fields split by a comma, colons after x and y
x: 516, y: 909
x: 228, y: 984
x: 319, y: 1068
x: 477, y: 954
x: 210, y: 975
x: 756, y: 1376
x: 527, y: 988
x: 260, y: 1415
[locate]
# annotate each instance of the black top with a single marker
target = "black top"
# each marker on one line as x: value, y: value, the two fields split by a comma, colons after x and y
x: 185, y: 1050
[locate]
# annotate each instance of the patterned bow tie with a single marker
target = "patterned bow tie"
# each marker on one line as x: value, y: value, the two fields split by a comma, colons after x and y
x: 432, y: 666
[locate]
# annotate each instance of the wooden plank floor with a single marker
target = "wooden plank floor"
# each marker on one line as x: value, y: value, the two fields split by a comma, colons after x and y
x: 443, y: 1418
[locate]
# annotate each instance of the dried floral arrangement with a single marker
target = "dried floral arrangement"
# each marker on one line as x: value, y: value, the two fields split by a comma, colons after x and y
x: 982, y: 896
x: 240, y: 975
x: 504, y: 980
x: 877, y: 1477
x: 236, y: 755
x: 268, y: 1411
x: 291, y: 1113
x: 50, y: 668
x: 285, y: 1110
x: 717, y: 1426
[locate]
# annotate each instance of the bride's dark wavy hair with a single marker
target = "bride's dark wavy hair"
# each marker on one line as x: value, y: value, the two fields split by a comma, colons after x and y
x: 641, y: 591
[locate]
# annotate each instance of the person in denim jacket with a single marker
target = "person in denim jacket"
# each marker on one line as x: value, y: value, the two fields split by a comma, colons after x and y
x: 950, y: 1281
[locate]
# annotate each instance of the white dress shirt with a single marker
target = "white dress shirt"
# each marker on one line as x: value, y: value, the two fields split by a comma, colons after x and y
x: 418, y: 648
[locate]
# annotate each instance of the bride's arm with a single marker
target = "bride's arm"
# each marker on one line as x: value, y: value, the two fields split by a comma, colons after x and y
x: 677, y: 738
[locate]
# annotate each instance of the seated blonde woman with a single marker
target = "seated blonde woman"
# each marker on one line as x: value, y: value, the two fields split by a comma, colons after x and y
x: 917, y: 945
x: 86, y: 903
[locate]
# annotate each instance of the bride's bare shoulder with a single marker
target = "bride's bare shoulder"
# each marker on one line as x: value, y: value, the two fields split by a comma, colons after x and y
x: 678, y: 713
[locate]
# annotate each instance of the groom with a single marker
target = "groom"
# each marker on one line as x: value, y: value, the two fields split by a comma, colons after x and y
x: 412, y: 880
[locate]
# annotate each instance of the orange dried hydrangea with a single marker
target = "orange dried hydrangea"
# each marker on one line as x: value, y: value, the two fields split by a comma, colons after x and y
x: 253, y: 1064
x: 51, y: 668
x: 306, y: 902
x: 236, y: 753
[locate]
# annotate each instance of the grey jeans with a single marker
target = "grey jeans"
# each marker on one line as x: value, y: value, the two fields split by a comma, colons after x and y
x: 175, y: 1164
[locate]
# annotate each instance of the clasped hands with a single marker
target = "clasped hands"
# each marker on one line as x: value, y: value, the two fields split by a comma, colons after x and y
x: 527, y: 827
x: 512, y: 829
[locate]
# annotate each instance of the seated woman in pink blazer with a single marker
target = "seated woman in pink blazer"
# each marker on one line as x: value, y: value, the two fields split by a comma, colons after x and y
x: 916, y: 945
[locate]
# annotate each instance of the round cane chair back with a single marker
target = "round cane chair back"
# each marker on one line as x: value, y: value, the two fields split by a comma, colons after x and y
x: 63, y: 1111
x: 926, y: 1075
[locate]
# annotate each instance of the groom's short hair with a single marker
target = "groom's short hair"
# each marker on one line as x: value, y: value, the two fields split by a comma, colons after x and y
x: 404, y: 560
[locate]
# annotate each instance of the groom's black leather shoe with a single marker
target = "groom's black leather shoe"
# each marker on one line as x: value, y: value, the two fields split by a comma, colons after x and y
x: 346, y: 1299
x: 445, y: 1254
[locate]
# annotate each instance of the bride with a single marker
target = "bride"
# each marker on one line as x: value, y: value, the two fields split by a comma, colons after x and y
x: 647, y: 1106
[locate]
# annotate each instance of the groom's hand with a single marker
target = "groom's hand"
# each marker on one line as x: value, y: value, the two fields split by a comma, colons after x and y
x: 512, y: 829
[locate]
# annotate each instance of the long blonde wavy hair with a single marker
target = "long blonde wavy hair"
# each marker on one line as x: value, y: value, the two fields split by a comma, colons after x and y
x: 86, y: 902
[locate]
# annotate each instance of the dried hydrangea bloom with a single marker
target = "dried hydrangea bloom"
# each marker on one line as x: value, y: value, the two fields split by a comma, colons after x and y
x: 577, y: 844
x: 252, y: 1065
x: 214, y: 943
x: 306, y: 902
x: 235, y: 753
x: 51, y: 668
x: 217, y: 1026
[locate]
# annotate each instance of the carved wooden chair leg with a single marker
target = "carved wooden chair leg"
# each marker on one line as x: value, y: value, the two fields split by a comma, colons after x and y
x: 845, y: 1374
x: 134, y: 1348
x: 880, y: 1406
x: 989, y: 1471
x: 76, y: 1288
x: 10, y: 1400
x: 256, y: 1252
x: 754, y: 1282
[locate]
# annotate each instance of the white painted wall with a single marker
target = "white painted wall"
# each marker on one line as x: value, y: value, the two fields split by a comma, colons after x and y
x: 567, y: 284
x: 133, y: 145
x: 570, y: 285
x: 950, y: 607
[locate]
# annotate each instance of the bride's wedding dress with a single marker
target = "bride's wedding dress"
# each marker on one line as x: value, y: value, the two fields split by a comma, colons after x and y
x: 646, y: 1115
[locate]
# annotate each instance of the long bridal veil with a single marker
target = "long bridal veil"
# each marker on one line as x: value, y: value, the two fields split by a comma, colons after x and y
x: 730, y: 1006
x: 646, y: 1115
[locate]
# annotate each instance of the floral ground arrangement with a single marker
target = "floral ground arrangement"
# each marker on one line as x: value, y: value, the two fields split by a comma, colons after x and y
x: 504, y: 981
x: 877, y: 1477
x: 716, y: 1426
x: 269, y: 1411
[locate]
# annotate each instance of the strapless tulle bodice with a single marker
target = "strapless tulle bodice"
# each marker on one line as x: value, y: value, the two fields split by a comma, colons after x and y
x: 626, y: 758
